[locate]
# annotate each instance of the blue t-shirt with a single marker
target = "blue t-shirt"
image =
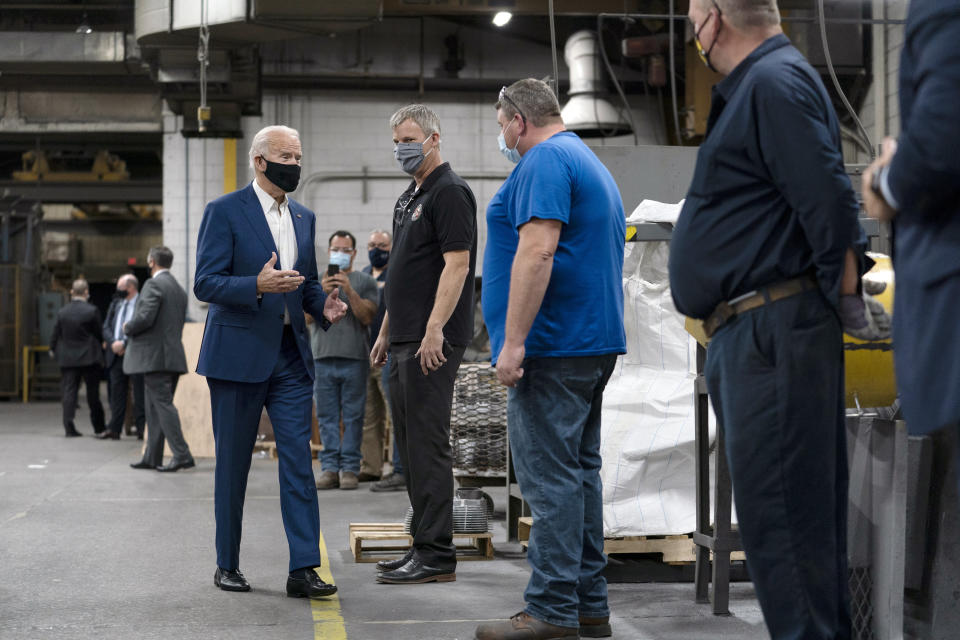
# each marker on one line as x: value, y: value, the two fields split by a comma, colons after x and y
x: 582, y: 309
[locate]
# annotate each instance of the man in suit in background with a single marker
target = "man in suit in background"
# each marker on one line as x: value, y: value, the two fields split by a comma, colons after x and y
x: 915, y: 184
x: 155, y: 350
x: 76, y: 345
x: 120, y: 311
x: 257, y: 267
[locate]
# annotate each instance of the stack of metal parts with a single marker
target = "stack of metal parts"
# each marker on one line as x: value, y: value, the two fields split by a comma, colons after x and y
x: 478, y: 422
x: 470, y: 514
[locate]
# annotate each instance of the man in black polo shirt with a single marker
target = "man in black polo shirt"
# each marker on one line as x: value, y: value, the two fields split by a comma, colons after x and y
x: 428, y: 323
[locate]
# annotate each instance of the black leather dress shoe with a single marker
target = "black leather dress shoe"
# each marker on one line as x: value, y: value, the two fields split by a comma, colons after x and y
x: 173, y: 465
x: 142, y: 465
x: 393, y: 565
x: 230, y: 580
x: 308, y: 585
x: 74, y: 434
x: 108, y: 435
x: 415, y: 572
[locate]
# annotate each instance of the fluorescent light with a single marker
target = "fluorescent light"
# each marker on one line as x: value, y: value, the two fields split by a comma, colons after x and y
x: 84, y: 27
x: 502, y: 18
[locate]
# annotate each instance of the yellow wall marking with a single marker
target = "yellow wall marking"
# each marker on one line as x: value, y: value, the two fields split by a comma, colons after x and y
x: 229, y: 165
x: 327, y: 619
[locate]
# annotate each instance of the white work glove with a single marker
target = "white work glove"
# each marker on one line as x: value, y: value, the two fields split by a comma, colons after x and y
x: 864, y: 318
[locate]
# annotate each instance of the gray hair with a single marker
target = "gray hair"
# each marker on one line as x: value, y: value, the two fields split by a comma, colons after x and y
x: 534, y: 99
x: 747, y: 14
x: 128, y: 277
x: 79, y: 288
x: 263, y: 140
x: 383, y: 231
x: 424, y: 117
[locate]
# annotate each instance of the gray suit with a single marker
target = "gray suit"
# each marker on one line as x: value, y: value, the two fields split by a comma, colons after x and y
x: 155, y: 349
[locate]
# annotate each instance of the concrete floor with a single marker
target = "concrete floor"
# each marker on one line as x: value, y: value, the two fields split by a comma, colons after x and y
x: 90, y: 548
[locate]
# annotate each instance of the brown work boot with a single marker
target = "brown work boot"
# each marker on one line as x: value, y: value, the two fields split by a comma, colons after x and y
x: 328, y: 480
x: 349, y: 480
x: 523, y: 627
x: 595, y: 627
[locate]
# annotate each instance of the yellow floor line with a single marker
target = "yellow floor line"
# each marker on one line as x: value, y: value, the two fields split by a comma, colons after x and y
x: 327, y: 620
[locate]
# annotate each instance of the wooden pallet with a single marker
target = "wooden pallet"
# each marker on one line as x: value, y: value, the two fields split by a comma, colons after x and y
x: 367, y: 542
x: 675, y: 549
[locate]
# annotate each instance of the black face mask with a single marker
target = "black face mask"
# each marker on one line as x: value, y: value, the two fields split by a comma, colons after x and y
x: 378, y: 257
x: 119, y: 294
x: 285, y: 176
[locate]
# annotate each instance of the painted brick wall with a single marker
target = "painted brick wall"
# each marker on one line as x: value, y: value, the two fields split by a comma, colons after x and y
x: 342, y: 133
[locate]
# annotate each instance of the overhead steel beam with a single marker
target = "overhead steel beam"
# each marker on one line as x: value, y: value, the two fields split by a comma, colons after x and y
x: 101, y: 226
x: 115, y: 141
x: 65, y: 6
x: 517, y: 7
x: 66, y: 48
x: 134, y: 191
x: 108, y: 83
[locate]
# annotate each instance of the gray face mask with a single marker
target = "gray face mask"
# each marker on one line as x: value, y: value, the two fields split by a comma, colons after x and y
x: 410, y: 155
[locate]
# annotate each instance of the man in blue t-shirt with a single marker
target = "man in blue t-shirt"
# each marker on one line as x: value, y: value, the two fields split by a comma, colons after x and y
x: 553, y: 305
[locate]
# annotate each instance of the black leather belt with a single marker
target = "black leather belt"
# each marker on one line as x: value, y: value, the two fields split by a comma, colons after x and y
x: 727, y: 311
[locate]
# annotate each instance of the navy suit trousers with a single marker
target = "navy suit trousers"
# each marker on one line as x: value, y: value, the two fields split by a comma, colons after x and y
x: 237, y: 406
x: 775, y: 376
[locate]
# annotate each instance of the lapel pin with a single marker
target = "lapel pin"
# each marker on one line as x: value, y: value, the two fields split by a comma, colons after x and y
x: 299, y: 216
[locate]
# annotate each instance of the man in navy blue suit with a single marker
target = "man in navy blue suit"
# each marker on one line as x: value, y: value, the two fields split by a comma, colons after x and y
x: 256, y: 266
x: 915, y: 184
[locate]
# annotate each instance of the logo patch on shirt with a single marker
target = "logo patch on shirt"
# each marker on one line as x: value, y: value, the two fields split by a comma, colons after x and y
x: 417, y: 213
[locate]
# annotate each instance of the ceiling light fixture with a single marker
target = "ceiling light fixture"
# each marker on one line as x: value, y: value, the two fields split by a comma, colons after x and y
x: 84, y: 26
x: 502, y: 18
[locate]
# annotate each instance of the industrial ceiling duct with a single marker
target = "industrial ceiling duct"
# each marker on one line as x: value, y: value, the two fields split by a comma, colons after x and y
x: 588, y: 112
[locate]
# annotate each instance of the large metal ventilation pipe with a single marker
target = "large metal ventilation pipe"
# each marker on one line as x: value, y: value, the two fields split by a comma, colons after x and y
x: 588, y: 112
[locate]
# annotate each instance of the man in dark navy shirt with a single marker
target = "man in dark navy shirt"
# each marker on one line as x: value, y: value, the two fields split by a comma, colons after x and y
x: 765, y: 250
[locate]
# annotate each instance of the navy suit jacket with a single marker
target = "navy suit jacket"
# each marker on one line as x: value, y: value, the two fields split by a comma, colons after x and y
x: 241, y: 339
x: 924, y: 180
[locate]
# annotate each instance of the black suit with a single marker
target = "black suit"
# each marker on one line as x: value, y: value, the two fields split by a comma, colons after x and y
x: 76, y: 343
x: 118, y: 379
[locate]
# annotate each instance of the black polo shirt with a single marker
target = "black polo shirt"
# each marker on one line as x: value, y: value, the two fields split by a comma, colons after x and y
x: 438, y: 217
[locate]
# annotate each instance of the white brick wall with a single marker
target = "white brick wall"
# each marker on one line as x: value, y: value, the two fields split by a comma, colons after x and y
x: 202, y: 161
x: 895, y: 10
x: 341, y: 132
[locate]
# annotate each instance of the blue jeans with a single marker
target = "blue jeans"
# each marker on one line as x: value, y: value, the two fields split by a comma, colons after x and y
x: 775, y: 376
x: 553, y: 418
x: 340, y: 390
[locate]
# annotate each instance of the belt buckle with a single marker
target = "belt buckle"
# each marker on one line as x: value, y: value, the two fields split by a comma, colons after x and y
x: 720, y: 316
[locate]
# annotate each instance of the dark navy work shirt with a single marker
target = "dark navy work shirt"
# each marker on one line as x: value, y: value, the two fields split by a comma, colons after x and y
x: 770, y: 199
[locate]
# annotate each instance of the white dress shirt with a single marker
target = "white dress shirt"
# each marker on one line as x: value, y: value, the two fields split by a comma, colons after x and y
x: 281, y: 228
x: 123, y: 315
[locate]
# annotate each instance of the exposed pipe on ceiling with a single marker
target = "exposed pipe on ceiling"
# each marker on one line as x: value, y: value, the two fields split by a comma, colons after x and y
x: 385, y: 82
